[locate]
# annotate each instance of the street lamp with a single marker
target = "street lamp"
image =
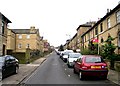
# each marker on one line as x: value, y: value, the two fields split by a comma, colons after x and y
x: 68, y: 40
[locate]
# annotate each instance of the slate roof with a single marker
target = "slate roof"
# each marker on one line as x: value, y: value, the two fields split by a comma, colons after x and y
x: 5, y: 18
x: 24, y: 31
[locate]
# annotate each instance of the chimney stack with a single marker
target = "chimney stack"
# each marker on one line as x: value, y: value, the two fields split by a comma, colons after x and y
x: 108, y: 10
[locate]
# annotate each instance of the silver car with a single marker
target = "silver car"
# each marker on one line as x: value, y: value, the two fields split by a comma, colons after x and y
x: 72, y: 57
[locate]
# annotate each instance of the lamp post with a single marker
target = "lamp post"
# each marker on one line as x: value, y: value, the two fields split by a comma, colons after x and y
x: 68, y: 40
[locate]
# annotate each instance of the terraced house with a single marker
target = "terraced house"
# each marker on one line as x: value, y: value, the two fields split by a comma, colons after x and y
x: 73, y: 42
x: 3, y: 33
x: 107, y: 26
x: 82, y: 29
x: 99, y: 31
x: 76, y: 42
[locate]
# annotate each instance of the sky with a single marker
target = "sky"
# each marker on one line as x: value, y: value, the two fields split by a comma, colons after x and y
x: 57, y: 20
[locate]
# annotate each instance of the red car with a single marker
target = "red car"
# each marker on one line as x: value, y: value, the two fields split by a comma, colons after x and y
x: 91, y: 65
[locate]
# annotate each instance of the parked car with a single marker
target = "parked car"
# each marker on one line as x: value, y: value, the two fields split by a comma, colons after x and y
x: 65, y: 54
x: 72, y: 57
x: 57, y: 51
x: 61, y: 54
x: 8, y: 65
x: 91, y: 65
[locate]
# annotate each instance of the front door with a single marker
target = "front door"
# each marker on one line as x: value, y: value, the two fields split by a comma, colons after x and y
x: 3, y: 50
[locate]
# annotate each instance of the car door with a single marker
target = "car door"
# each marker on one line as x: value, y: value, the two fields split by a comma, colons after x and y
x: 78, y: 64
x: 8, y: 65
x: 13, y: 64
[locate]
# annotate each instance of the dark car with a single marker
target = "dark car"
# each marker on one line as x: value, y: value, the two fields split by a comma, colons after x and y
x: 91, y: 65
x: 8, y: 65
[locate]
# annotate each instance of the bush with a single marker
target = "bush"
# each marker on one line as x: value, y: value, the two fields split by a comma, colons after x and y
x: 117, y: 57
x: 20, y: 56
x: 88, y: 52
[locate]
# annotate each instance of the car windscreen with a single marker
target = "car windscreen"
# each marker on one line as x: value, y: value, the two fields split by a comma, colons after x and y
x: 67, y: 52
x: 1, y: 62
x: 74, y: 55
x: 94, y: 60
x: 1, y: 59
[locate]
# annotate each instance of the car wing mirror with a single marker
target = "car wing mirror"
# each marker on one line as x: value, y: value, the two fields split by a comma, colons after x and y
x: 75, y: 61
x: 78, y: 63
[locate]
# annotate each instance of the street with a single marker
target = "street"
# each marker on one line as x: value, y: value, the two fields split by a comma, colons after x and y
x: 55, y: 71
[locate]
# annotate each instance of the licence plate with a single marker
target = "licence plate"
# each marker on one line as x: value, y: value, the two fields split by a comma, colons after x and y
x: 95, y: 66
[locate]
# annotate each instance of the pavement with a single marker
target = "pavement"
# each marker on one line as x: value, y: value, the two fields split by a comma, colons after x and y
x: 114, y: 76
x: 27, y: 69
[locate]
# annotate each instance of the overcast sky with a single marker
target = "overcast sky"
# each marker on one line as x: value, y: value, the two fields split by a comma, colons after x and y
x: 57, y: 20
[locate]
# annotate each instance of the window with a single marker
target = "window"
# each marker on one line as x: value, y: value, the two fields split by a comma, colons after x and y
x: 20, y: 45
x: 28, y: 46
x: 108, y: 23
x: 118, y: 17
x: 96, y: 31
x: 20, y: 36
x: 3, y: 27
x: 78, y: 40
x: 88, y: 36
x: 101, y: 27
x: 102, y: 40
x: 119, y: 39
x: 85, y: 38
x: 28, y: 36
x: 91, y: 34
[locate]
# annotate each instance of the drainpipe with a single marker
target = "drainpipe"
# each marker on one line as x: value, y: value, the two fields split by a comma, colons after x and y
x: 1, y: 41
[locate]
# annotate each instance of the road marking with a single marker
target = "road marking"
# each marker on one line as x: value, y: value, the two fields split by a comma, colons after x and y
x: 68, y: 75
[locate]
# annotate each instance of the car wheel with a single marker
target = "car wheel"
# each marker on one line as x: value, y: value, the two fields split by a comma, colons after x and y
x: 80, y: 75
x: 105, y: 77
x: 16, y: 70
x: 74, y: 71
x: 68, y: 65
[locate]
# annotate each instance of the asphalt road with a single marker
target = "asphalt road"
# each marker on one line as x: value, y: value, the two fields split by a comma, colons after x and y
x: 55, y: 71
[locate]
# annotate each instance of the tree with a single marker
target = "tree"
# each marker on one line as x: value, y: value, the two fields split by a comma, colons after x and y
x: 108, y: 51
x: 61, y: 48
x: 93, y: 48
